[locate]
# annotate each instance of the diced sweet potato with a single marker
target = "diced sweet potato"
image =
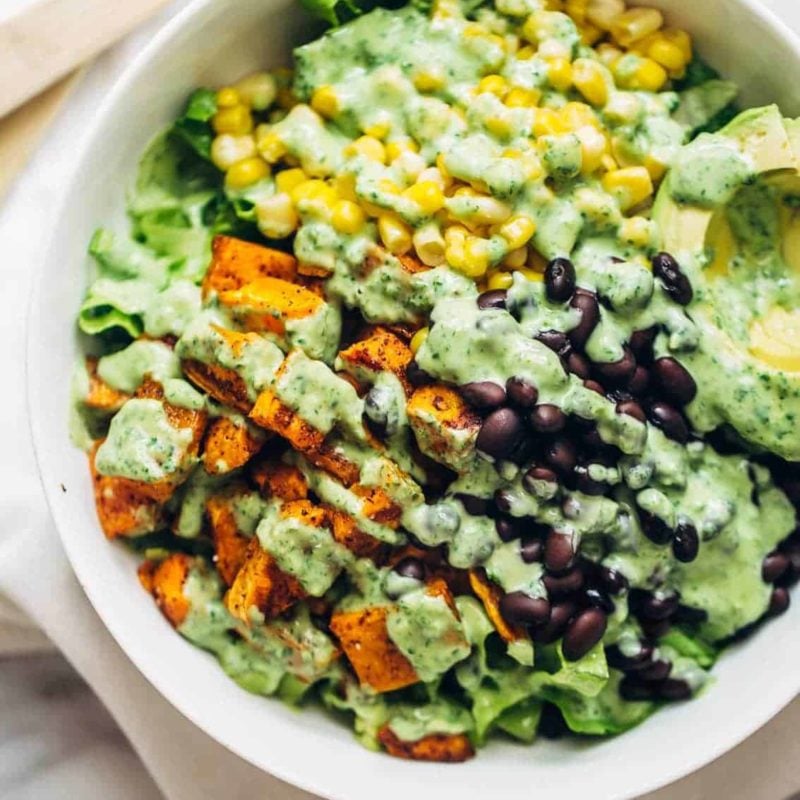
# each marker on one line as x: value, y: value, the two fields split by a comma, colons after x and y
x: 178, y: 416
x: 221, y: 383
x: 347, y: 533
x: 443, y: 747
x: 306, y: 512
x: 166, y: 580
x: 380, y: 351
x: 101, y: 396
x: 266, y: 304
x: 270, y: 413
x: 445, y: 427
x: 261, y: 583
x: 377, y: 505
x: 411, y: 264
x: 275, y: 479
x: 230, y: 546
x: 489, y: 594
x: 376, y: 659
x: 312, y: 270
x: 335, y: 463
x: 235, y: 263
x: 126, y: 507
x: 228, y: 445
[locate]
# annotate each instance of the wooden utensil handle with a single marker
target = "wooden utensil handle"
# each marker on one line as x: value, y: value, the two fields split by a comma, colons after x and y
x: 45, y: 42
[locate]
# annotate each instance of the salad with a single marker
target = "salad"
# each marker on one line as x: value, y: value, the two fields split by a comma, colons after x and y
x: 451, y: 378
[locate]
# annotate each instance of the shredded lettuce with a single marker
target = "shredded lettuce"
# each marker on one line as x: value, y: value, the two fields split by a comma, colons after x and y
x: 194, y: 125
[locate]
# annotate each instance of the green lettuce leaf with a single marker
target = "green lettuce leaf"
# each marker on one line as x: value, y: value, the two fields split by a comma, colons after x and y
x: 700, y: 651
x: 522, y: 720
x: 194, y: 125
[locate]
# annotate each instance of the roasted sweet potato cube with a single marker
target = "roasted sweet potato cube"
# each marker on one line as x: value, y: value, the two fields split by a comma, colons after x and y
x: 312, y: 270
x: 380, y: 351
x: 126, y: 507
x: 443, y: 747
x: 261, y: 583
x: 266, y: 304
x: 101, y: 396
x: 346, y: 532
x: 228, y: 446
x: 230, y: 545
x: 377, y: 505
x: 178, y: 417
x: 445, y: 427
x: 489, y: 594
x: 335, y: 463
x: 275, y: 479
x: 235, y: 263
x: 306, y: 512
x: 221, y: 383
x: 270, y: 413
x: 376, y: 659
x: 165, y: 581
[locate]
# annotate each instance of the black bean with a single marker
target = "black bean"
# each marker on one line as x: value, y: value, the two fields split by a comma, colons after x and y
x: 654, y: 528
x: 416, y: 375
x: 639, y: 382
x: 613, y: 581
x: 560, y: 615
x: 655, y: 629
x: 559, y: 551
x: 617, y: 373
x: 674, y: 380
x: 503, y: 499
x: 583, y: 633
x: 641, y: 342
x: 778, y: 602
x: 495, y: 298
x: 483, y: 395
x: 593, y: 441
x: 508, y: 528
x: 585, y: 483
x: 596, y: 387
x: 536, y: 475
x: 618, y: 660
x: 475, y: 506
x: 673, y: 281
x: 655, y: 672
x: 634, y: 690
x: 561, y: 456
x: 686, y: 543
x: 559, y: 586
x: 531, y: 550
x: 774, y: 566
x: 500, y: 433
x: 579, y: 365
x: 586, y: 303
x: 410, y: 568
x: 557, y: 341
x: 521, y: 393
x: 594, y: 597
x: 632, y: 409
x: 674, y: 689
x: 559, y: 280
x: 659, y: 608
x: 670, y: 420
x: 686, y: 615
x: 547, y: 418
x: 520, y: 609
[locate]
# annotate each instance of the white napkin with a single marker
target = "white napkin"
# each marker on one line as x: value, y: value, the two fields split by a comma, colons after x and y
x: 38, y: 591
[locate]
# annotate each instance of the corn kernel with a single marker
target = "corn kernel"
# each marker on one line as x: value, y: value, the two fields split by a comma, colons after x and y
x: 455, y: 234
x: 601, y: 13
x: 531, y: 274
x: 435, y: 175
x: 314, y: 190
x: 631, y: 186
x: 559, y: 73
x: 636, y: 23
x: 681, y: 39
x: 576, y: 9
x: 276, y: 216
x: 258, y: 90
x: 515, y: 259
x: 287, y: 179
x: 418, y: 339
x: 429, y: 245
x: 594, y: 146
x: 522, y: 98
x: 649, y: 76
x: 246, y: 172
x: 367, y: 146
x: 590, y: 80
x: 235, y: 120
x: 493, y: 84
x: 388, y: 186
x: 398, y: 146
x: 325, y: 101
x: 226, y: 150
x: 655, y: 167
x: 526, y: 53
x: 429, y: 80
x: 269, y: 145
x: 590, y: 34
x: 379, y: 129
x: 636, y: 231
x: 476, y: 255
x: 577, y: 115
x: 608, y: 54
x: 395, y: 234
x: 409, y: 166
x: 347, y: 216
x: 500, y: 280
x: 517, y: 230
x: 667, y: 54
x: 499, y: 127
x: 427, y: 195
x: 609, y: 163
x: 228, y: 97
x: 547, y: 122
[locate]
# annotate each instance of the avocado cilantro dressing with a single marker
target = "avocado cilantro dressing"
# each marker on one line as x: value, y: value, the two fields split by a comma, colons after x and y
x: 418, y: 161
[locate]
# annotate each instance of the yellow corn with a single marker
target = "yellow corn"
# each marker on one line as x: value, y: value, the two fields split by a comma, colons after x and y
x: 258, y: 90
x: 379, y: 129
x: 517, y: 230
x: 590, y: 34
x: 429, y: 245
x: 547, y: 122
x: 470, y: 257
x: 429, y: 80
x: 287, y: 179
x: 515, y: 259
x: 559, y: 73
x: 271, y: 148
x: 418, y: 339
x: 325, y: 101
x: 531, y: 274
x: 577, y: 9
x: 235, y: 120
x: 276, y: 216
x: 455, y: 234
x: 500, y: 280
x: 397, y: 147
x: 681, y: 39
x: 667, y: 54
x: 228, y: 97
x: 594, y: 146
x: 631, y: 186
x: 636, y: 23
x: 601, y: 13
x: 427, y: 195
x: 345, y: 186
x: 522, y: 98
x: 493, y: 84
x: 590, y: 80
x: 649, y: 76
x: 347, y: 216
x: 636, y: 231
x: 314, y: 190
x: 246, y: 172
x: 388, y: 186
x: 499, y: 127
x: 395, y: 234
x: 655, y: 167
x: 608, y: 54
x: 526, y: 53
x: 367, y: 146
x: 227, y: 149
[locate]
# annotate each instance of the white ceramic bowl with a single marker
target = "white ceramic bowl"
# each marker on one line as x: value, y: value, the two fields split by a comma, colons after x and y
x: 213, y: 42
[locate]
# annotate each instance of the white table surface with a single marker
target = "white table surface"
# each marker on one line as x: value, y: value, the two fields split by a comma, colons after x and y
x: 57, y: 740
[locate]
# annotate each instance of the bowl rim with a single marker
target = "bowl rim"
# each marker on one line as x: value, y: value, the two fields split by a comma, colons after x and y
x: 290, y: 774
